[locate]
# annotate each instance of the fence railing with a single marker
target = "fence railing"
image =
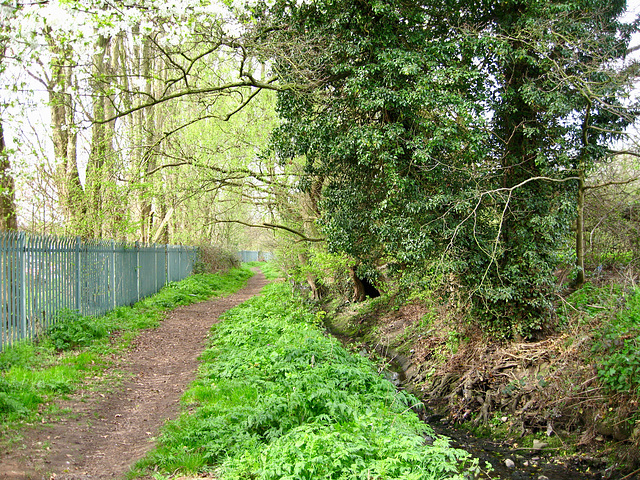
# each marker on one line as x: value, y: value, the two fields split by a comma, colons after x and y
x: 255, y: 256
x: 40, y: 276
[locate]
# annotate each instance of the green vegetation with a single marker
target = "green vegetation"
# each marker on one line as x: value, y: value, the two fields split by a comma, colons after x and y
x: 276, y: 398
x: 616, y: 344
x: 618, y: 348
x: 213, y: 259
x: 270, y: 270
x: 34, y: 373
x: 71, y: 330
x: 470, y: 163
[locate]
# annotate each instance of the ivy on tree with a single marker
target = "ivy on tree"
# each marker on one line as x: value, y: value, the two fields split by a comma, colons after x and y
x: 442, y: 132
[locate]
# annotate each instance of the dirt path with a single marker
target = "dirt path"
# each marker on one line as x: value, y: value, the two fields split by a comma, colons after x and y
x: 109, y: 431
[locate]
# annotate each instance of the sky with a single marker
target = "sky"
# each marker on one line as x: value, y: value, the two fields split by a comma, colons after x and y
x: 633, y: 10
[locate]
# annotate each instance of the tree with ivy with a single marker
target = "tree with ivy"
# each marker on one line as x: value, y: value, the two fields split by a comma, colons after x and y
x: 442, y: 136
x: 557, y: 104
x: 377, y: 117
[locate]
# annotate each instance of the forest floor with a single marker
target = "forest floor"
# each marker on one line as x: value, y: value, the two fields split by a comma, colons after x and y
x: 103, y: 431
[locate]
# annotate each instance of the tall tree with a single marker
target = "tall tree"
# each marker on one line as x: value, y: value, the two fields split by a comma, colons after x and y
x: 8, y: 213
x: 59, y: 82
x: 442, y: 137
x: 386, y: 117
x: 547, y: 132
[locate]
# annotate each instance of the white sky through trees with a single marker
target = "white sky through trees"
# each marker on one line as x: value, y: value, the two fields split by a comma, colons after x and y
x: 27, y: 121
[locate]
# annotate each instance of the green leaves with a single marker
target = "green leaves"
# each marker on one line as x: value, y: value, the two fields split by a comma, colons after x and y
x: 30, y: 374
x: 618, y: 349
x: 276, y: 398
x: 71, y: 330
x: 458, y: 132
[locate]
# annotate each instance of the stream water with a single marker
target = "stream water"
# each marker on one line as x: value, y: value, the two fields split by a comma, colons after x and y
x: 508, y: 463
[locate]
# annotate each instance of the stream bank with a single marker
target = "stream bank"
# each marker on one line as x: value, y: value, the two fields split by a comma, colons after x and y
x: 520, y: 407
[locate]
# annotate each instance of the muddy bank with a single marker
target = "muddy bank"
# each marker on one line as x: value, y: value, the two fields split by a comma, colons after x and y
x: 533, y: 410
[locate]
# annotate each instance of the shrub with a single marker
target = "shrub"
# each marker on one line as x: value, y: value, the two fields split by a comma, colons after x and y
x: 72, y: 330
x: 618, y: 347
x: 212, y: 259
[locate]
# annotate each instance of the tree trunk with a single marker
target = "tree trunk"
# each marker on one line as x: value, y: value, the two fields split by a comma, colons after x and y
x: 580, y: 278
x: 8, y: 214
x: 148, y: 151
x: 580, y: 253
x: 64, y: 136
x: 311, y: 281
x: 358, y: 287
x: 101, y: 146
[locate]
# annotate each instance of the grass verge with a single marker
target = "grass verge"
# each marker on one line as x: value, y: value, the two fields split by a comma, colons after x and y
x: 33, y: 374
x: 270, y: 270
x: 278, y: 399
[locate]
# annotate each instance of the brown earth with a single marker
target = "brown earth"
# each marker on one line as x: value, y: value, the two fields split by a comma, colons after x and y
x: 105, y: 433
x: 519, y: 392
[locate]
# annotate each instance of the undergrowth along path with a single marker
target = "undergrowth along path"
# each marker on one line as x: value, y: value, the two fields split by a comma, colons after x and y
x: 107, y: 432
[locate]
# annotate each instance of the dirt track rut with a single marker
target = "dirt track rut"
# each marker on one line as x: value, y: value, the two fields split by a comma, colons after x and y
x: 110, y: 431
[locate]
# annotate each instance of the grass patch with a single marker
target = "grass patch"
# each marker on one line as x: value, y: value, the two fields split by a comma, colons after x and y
x: 278, y: 399
x: 614, y: 315
x: 34, y: 373
x: 270, y: 270
x: 617, y: 348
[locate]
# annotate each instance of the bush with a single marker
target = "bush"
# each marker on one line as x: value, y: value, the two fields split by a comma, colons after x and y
x: 72, y: 330
x: 619, y: 349
x: 213, y: 259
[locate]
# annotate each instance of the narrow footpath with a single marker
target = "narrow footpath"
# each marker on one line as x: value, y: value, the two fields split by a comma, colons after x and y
x: 106, y: 432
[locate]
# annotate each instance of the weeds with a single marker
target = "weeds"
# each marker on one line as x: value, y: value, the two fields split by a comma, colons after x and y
x: 34, y: 373
x: 618, y: 346
x: 71, y: 330
x: 276, y: 398
x: 270, y: 270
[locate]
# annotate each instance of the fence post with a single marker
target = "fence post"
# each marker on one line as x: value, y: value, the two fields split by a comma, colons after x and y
x: 155, y: 267
x: 113, y: 273
x: 22, y: 283
x: 138, y: 271
x: 78, y: 273
x: 169, y: 279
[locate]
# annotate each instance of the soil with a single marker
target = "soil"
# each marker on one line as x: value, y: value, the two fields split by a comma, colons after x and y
x: 520, y: 392
x: 106, y: 432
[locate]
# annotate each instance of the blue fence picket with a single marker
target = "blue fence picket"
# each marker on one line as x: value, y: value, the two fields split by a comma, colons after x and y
x: 41, y: 275
x: 255, y: 256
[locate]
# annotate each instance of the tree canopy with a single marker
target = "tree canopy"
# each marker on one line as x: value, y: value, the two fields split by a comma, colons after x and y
x: 446, y: 132
x: 415, y: 139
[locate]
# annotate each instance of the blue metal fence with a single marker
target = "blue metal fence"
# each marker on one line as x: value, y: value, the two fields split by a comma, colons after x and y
x: 255, y: 256
x: 39, y: 276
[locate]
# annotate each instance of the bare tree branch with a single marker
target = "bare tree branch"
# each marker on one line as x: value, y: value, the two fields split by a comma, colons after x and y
x: 271, y: 226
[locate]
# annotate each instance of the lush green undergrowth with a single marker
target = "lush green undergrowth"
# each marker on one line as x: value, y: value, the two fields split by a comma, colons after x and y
x: 616, y: 349
x: 269, y: 269
x: 34, y: 373
x: 278, y: 399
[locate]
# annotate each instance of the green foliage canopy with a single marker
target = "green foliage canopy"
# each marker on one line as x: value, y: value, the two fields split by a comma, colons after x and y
x: 452, y: 130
